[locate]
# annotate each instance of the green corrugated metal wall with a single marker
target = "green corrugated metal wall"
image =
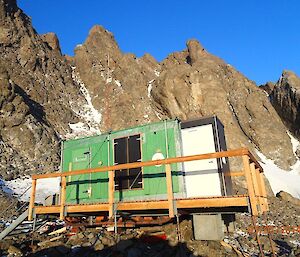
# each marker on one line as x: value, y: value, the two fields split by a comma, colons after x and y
x: 97, y: 151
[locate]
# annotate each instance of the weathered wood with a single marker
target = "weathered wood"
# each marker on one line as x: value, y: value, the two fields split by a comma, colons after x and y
x: 170, y: 190
x: 256, y: 187
x: 111, y: 192
x: 32, y: 199
x: 232, y: 201
x: 231, y: 153
x: 263, y: 189
x: 62, y: 197
x: 234, y: 174
x: 212, y: 202
x: 246, y: 164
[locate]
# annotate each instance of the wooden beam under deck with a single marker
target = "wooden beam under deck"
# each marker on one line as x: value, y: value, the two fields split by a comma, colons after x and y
x: 189, y: 203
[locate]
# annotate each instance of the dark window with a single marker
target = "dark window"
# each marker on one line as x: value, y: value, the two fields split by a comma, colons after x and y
x: 127, y: 150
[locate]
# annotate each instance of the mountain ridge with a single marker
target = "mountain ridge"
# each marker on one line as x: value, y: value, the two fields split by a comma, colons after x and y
x: 123, y: 90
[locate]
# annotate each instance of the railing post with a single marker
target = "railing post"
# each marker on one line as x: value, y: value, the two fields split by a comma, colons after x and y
x: 256, y: 187
x: 62, y: 197
x: 32, y: 200
x: 111, y: 192
x: 250, y: 188
x: 263, y: 189
x: 170, y: 190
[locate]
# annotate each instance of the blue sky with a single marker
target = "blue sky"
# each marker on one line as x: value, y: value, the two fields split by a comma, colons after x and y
x: 259, y: 38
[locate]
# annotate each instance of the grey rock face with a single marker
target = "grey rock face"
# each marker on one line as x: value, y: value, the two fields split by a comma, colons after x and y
x: 36, y: 91
x: 208, y: 87
x: 285, y: 98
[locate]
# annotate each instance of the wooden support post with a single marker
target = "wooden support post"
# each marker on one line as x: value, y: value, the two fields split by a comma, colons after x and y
x: 170, y: 190
x: 256, y: 187
x: 250, y: 188
x: 111, y: 192
x: 263, y: 189
x: 62, y: 197
x: 32, y: 200
x: 260, y: 191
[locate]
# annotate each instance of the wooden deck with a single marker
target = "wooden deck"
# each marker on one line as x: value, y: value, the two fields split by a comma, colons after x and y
x: 255, y: 199
x: 187, y: 203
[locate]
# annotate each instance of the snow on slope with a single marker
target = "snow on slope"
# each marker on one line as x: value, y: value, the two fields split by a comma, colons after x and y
x: 288, y: 181
x: 44, y: 188
x: 87, y: 111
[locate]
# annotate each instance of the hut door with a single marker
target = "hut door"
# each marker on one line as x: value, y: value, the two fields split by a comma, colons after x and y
x: 128, y: 150
x: 81, y: 187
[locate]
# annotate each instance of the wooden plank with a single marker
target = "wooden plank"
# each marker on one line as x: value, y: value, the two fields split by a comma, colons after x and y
x: 170, y: 190
x: 150, y: 205
x: 261, y: 197
x: 212, y: 202
x: 47, y: 209
x: 253, y: 159
x: 100, y: 207
x: 111, y: 192
x: 234, y: 174
x: 62, y: 197
x: 246, y: 164
x: 32, y: 199
x: 264, y: 192
x: 256, y: 187
x: 231, y: 153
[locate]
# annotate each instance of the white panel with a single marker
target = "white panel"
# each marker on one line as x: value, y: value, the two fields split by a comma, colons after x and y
x: 201, y: 177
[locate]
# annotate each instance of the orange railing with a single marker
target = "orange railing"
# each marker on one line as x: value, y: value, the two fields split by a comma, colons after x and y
x: 252, y: 171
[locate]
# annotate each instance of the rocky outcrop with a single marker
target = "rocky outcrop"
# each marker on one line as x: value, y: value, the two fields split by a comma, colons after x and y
x: 288, y: 197
x: 38, y: 96
x: 119, y: 83
x: 52, y: 40
x: 195, y: 83
x: 285, y: 97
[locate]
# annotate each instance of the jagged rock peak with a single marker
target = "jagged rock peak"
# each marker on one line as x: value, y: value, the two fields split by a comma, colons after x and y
x: 285, y: 97
x: 7, y: 7
x: 195, y: 50
x: 52, y: 40
x: 101, y: 38
x: 289, y: 77
x: 268, y: 87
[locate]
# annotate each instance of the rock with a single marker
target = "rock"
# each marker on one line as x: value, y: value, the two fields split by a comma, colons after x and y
x: 86, y: 244
x: 98, y: 246
x: 14, y: 251
x: 268, y: 87
x: 285, y: 97
x: 52, y: 40
x: 288, y: 197
x: 80, y: 235
x: 90, y: 236
x: 107, y: 241
x: 298, y: 152
x: 195, y: 50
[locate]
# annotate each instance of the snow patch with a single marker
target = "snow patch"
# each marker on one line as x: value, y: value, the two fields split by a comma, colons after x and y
x: 44, y: 188
x: 149, y: 88
x: 118, y: 83
x: 86, y: 111
x: 157, y: 73
x: 280, y: 179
